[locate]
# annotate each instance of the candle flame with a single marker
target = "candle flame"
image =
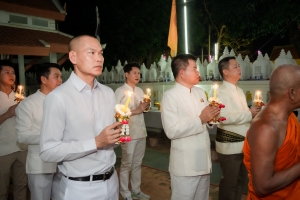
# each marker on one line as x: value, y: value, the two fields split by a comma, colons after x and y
x: 20, y: 87
x: 215, y: 86
x: 258, y: 96
x: 129, y: 93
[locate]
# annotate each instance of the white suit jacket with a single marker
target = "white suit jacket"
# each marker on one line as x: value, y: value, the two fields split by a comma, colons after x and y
x: 29, y: 115
x: 190, y: 143
x: 238, y: 116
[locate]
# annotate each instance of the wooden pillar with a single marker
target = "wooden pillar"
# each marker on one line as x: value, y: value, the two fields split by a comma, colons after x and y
x: 53, y: 57
x: 21, y: 69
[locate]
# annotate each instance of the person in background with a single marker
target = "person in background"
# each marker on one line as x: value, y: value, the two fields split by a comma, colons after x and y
x: 134, y: 151
x: 12, y: 154
x: 79, y: 130
x: 185, y: 113
x: 272, y: 145
x: 29, y: 115
x: 231, y: 133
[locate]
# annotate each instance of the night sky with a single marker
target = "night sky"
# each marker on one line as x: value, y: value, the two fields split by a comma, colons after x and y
x: 81, y: 19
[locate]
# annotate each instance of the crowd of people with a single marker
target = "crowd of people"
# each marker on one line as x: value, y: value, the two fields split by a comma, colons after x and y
x: 60, y: 140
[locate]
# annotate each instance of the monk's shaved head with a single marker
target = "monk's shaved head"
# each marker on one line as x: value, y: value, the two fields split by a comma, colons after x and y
x: 284, y: 78
x: 76, y: 42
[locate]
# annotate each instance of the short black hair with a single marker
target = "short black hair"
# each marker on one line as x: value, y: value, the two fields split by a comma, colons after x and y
x: 7, y: 63
x: 44, y: 70
x: 128, y: 67
x: 181, y: 61
x: 224, y: 64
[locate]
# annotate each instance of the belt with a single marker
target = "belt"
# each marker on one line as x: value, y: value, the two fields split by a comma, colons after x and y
x: 228, y: 136
x: 98, y: 177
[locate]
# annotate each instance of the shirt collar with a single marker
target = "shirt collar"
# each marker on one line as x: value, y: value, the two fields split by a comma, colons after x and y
x: 230, y: 85
x: 128, y: 87
x: 80, y: 84
x: 183, y: 88
x: 11, y: 94
x: 40, y: 93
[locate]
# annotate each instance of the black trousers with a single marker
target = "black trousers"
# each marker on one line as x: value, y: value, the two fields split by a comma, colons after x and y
x: 235, y: 176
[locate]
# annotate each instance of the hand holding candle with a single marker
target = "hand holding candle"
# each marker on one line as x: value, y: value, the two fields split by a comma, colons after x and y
x: 122, y: 115
x: 214, y: 101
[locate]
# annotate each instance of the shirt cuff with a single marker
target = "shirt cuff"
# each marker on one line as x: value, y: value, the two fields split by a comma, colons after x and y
x: 89, y: 145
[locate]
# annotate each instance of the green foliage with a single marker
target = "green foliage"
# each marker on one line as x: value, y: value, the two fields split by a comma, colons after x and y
x: 262, y: 17
x: 250, y: 20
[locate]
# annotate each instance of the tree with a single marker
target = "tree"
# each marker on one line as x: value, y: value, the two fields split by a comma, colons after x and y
x: 249, y: 20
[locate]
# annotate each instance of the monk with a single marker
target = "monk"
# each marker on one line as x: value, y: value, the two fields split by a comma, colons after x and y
x: 272, y: 146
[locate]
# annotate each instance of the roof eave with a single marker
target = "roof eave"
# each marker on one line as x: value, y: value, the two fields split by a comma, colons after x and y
x: 24, y: 50
x: 32, y: 11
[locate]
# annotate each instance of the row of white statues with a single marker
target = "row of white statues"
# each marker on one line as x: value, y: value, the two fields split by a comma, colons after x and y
x: 161, y: 71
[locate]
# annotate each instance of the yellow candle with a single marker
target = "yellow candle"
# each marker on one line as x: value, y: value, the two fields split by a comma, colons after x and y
x: 257, y: 95
x: 215, y: 91
x: 148, y: 92
x: 127, y: 101
x: 20, y: 89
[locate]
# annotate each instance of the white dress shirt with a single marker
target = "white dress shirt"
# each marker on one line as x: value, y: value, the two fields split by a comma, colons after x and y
x: 73, y: 116
x: 137, y: 127
x: 8, y: 137
x: 238, y: 116
x: 29, y: 115
x: 190, y: 143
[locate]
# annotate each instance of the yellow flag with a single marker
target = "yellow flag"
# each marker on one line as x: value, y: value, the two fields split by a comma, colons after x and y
x: 173, y: 37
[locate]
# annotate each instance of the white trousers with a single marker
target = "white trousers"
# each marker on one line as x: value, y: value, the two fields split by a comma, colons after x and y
x: 40, y: 186
x: 190, y: 187
x: 57, y: 193
x: 90, y: 190
x: 132, y: 156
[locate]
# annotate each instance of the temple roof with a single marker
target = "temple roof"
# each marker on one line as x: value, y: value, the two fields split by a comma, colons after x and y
x: 40, y: 8
x: 25, y: 41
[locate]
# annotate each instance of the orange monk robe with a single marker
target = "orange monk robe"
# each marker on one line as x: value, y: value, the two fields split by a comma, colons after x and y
x: 287, y: 155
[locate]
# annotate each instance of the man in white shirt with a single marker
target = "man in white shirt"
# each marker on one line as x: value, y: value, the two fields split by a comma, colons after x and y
x: 12, y: 158
x: 133, y: 152
x: 231, y: 133
x: 29, y: 121
x: 79, y: 131
x: 185, y: 113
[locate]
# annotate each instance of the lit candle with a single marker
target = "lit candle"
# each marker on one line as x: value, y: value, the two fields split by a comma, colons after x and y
x: 20, y: 89
x: 127, y: 101
x: 148, y: 92
x: 257, y: 96
x: 215, y: 87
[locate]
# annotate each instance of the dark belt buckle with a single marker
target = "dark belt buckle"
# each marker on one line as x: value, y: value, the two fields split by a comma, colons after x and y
x: 106, y: 176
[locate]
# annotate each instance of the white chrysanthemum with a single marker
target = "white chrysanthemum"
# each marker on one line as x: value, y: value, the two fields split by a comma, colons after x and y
x: 119, y: 108
x: 211, y: 99
x: 19, y: 96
